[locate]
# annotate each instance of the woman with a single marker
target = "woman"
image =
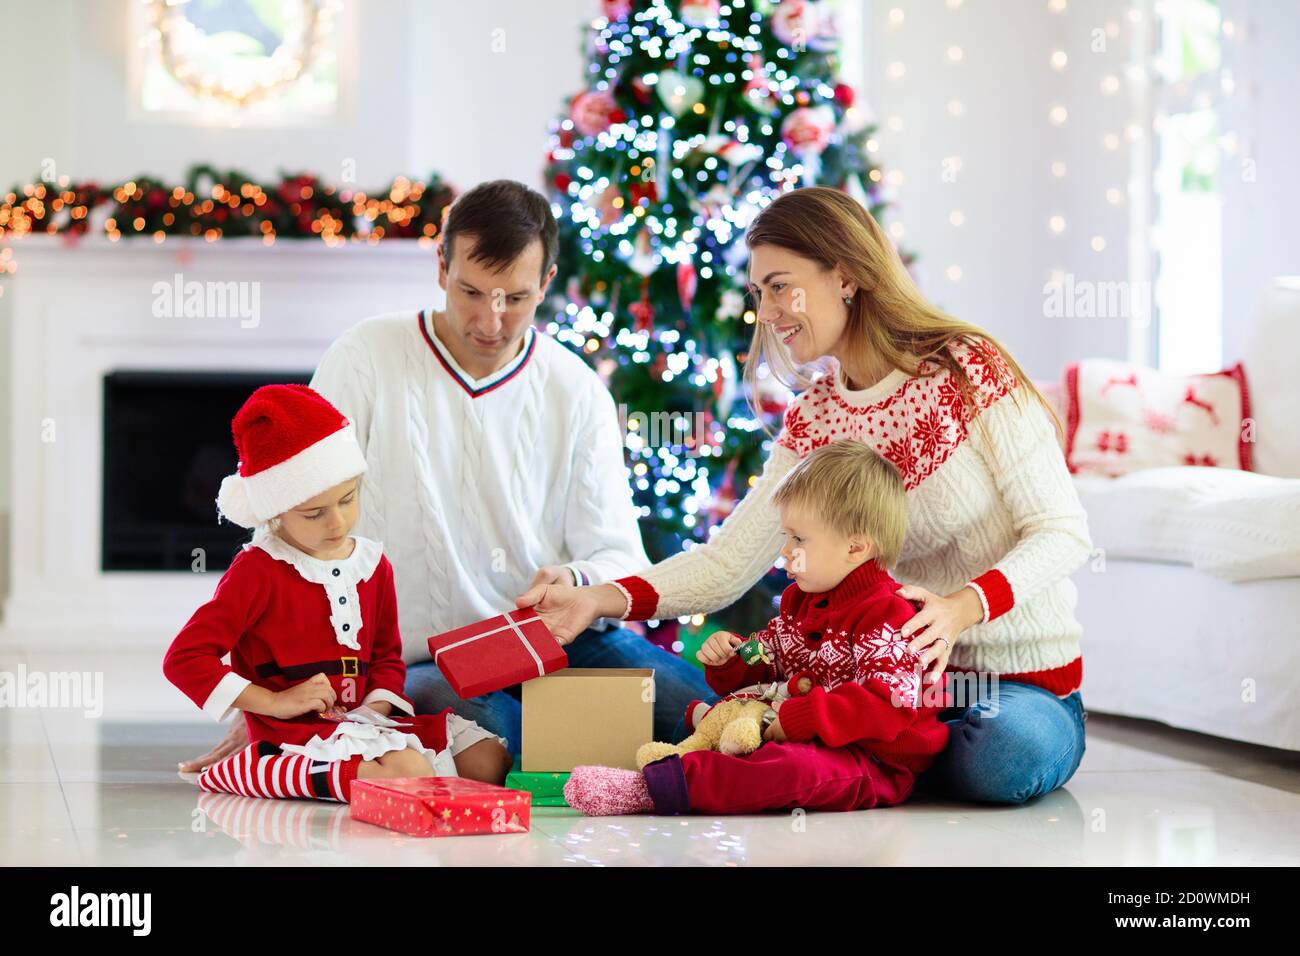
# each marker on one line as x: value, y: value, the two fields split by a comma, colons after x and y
x: 995, y: 526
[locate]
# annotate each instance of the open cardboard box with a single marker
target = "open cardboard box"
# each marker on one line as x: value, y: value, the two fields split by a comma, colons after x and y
x: 587, y: 715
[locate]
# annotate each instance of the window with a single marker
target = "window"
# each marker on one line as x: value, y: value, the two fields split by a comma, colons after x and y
x: 1187, y: 230
x: 234, y: 62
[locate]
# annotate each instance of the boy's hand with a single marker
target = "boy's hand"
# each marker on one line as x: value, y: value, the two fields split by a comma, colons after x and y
x: 719, y: 648
x: 775, y: 732
x: 314, y: 695
x: 381, y: 707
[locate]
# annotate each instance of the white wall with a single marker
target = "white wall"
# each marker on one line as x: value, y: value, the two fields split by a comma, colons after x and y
x: 1007, y: 86
x: 1261, y: 214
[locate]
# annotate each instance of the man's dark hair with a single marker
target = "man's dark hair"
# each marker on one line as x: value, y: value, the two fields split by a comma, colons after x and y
x: 504, y: 218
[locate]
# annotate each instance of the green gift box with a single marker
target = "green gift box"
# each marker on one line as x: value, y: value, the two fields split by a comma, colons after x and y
x: 547, y: 788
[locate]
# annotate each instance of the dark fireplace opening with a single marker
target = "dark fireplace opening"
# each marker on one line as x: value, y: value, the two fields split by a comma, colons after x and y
x: 167, y: 445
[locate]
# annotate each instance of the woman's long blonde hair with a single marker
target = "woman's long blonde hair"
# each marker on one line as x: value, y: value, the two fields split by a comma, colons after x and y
x: 889, y: 318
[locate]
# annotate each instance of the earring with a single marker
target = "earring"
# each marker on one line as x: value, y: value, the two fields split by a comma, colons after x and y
x: 848, y: 300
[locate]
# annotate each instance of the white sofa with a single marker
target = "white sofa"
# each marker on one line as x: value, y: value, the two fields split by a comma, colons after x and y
x: 1191, y: 604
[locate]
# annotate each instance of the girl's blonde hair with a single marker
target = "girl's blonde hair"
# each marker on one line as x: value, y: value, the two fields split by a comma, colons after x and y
x: 889, y: 318
x: 853, y: 490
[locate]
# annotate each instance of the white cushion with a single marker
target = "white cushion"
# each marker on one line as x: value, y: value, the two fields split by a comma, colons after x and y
x: 1236, y: 525
x: 1274, y: 386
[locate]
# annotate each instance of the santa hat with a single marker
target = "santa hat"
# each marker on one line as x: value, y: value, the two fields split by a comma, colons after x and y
x: 292, y: 445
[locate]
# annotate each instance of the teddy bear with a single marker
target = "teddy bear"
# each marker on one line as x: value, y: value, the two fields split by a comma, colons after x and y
x: 733, y: 725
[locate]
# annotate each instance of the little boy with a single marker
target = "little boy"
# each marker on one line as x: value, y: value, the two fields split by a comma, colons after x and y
x: 862, y: 733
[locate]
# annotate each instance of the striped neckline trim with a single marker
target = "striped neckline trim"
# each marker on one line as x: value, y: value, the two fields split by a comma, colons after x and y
x: 475, y: 387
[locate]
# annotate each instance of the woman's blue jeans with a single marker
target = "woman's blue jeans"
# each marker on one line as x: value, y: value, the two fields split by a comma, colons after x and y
x: 677, y: 683
x: 1022, y: 743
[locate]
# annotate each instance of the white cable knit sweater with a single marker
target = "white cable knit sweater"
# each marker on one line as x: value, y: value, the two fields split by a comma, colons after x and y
x: 475, y: 484
x: 993, y: 508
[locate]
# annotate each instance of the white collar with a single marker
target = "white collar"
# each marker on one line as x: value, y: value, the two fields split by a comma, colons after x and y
x: 358, y: 566
x: 475, y: 387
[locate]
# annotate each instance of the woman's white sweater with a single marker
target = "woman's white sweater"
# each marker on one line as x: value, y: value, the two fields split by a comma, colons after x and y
x: 990, y: 504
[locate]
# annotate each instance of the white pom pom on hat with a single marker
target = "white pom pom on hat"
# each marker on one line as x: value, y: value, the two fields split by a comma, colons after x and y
x: 292, y: 444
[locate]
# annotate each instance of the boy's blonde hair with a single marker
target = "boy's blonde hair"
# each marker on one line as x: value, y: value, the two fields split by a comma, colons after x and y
x: 855, y: 491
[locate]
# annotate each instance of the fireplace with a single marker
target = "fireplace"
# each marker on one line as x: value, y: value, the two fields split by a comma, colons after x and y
x: 120, y: 417
x: 167, y: 446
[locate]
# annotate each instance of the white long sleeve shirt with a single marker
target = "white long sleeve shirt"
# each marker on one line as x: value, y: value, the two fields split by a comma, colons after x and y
x: 475, y: 484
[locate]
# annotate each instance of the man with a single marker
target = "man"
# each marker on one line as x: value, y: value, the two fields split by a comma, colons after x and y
x: 495, y: 459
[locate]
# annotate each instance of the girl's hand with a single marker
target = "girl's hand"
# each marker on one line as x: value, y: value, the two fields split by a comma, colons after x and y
x: 938, y: 625
x: 552, y: 574
x: 312, y: 696
x: 381, y: 707
x: 719, y: 648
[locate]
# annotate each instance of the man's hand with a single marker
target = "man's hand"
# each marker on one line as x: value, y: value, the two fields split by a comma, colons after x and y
x: 236, y: 739
x: 550, y: 574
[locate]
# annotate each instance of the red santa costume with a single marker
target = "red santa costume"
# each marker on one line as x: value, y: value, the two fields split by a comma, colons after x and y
x: 284, y: 616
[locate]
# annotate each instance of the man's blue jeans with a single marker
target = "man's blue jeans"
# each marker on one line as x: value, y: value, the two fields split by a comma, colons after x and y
x: 677, y: 683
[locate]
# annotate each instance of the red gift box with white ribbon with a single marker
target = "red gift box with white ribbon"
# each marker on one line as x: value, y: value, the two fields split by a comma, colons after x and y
x: 502, y: 651
x: 440, y: 806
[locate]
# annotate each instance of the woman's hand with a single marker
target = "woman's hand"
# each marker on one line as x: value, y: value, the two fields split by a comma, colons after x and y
x: 940, y: 622
x: 565, y: 609
x: 236, y: 739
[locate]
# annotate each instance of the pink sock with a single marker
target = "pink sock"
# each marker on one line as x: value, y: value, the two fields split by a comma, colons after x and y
x: 607, y: 791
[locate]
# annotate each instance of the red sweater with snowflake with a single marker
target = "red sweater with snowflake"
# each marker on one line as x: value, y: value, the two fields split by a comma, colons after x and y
x: 866, y: 686
x: 283, y: 619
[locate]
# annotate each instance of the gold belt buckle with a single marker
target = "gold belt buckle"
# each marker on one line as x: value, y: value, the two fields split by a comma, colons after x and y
x: 350, y: 667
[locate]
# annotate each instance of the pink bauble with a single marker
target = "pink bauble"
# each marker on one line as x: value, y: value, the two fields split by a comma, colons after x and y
x: 592, y: 112
x: 807, y: 130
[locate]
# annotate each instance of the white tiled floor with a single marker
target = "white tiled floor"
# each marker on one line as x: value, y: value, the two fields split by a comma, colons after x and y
x: 105, y: 791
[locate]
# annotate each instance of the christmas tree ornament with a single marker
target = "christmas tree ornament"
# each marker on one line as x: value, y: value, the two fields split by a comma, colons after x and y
x: 702, y: 14
x: 594, y: 111
x: 679, y: 92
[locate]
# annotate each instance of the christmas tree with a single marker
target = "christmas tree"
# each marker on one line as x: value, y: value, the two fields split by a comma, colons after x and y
x: 695, y: 114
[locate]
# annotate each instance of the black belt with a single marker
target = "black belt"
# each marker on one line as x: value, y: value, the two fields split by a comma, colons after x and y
x: 343, y: 666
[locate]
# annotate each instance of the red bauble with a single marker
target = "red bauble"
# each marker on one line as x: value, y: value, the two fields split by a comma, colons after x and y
x: 844, y: 95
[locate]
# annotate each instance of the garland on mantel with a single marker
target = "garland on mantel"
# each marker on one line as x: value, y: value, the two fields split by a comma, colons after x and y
x: 215, y: 204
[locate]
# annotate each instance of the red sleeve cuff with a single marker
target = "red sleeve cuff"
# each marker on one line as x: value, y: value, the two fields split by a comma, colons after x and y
x: 796, y: 716
x: 642, y: 599
x: 792, y: 685
x: 995, y: 594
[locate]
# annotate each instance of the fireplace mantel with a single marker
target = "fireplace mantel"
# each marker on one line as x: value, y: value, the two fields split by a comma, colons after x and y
x: 81, y: 310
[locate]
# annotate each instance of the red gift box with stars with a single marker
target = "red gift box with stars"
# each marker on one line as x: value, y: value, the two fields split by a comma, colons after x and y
x: 440, y: 806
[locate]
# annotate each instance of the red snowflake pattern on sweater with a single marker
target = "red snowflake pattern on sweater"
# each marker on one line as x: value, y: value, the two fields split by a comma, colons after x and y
x: 833, y: 658
x: 916, y: 427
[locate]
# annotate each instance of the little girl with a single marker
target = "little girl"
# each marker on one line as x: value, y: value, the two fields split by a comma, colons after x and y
x: 308, y: 616
x: 861, y: 730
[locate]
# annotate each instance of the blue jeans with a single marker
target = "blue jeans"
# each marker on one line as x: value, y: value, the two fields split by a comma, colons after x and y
x: 1028, y: 744
x: 1025, y: 743
x: 677, y: 683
